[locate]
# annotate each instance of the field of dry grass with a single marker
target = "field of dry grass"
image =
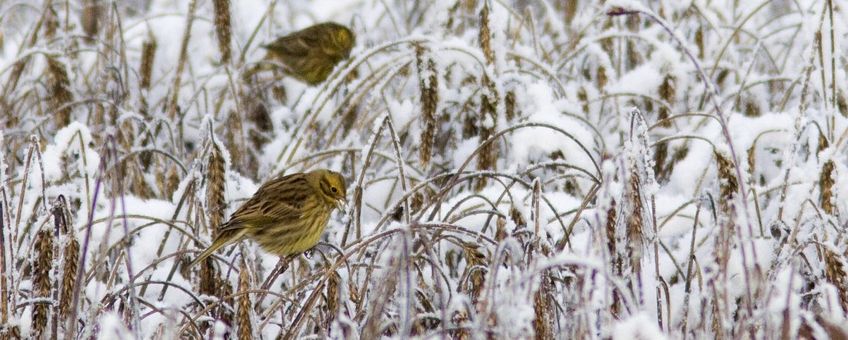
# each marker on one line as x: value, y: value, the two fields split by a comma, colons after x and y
x: 516, y: 169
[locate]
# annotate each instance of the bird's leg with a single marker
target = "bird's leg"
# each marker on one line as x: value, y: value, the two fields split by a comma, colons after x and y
x: 279, y: 269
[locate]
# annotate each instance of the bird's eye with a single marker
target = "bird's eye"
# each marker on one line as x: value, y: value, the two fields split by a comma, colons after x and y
x: 333, y: 189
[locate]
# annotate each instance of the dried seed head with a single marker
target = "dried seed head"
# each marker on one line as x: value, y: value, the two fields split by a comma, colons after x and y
x: 51, y: 23
x: 244, y: 319
x: 608, y: 44
x: 90, y: 17
x: 660, y: 154
x: 207, y: 278
x: 834, y: 272
x: 583, y: 97
x: 60, y: 96
x: 223, y: 29
x: 722, y: 76
x: 169, y: 181
x: 259, y: 119
x: 826, y: 187
x: 728, y: 184
x: 509, y: 105
x: 842, y: 103
x: 41, y: 282
x: 543, y: 322
x: 517, y: 217
x: 823, y: 143
x: 215, y: 188
x: 474, y: 258
x: 488, y: 157
x: 469, y: 126
x: 570, y: 10
x: 10, y: 331
x: 234, y: 137
x: 668, y: 93
x: 601, y: 78
x: 333, y: 297
x: 460, y: 318
x: 752, y: 108
x: 635, y: 242
x: 500, y: 231
x: 148, y: 55
x: 428, y: 83
x: 634, y: 58
x: 752, y: 158
x: 138, y: 184
x: 699, y: 41
x: 485, y: 36
x: 610, y: 229
x: 224, y: 311
x: 70, y: 263
x: 615, y: 258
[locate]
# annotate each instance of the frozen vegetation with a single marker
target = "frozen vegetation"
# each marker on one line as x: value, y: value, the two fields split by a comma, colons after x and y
x: 516, y: 169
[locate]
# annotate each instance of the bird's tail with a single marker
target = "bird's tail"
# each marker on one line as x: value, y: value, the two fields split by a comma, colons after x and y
x: 222, y: 240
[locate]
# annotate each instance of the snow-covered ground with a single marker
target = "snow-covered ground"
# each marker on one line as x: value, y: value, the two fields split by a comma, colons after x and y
x: 589, y: 169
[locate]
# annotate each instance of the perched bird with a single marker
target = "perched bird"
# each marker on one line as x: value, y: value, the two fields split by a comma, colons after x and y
x: 311, y: 53
x: 286, y: 216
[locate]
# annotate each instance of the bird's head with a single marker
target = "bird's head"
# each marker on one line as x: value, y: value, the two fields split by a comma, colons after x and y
x: 331, y: 186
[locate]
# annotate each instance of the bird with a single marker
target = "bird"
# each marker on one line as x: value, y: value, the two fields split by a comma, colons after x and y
x: 286, y: 216
x: 311, y: 53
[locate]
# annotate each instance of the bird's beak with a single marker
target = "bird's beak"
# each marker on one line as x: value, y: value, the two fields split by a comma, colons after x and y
x: 342, y: 204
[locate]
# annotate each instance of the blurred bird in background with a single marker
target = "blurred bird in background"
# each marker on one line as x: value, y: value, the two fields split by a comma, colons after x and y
x: 311, y: 53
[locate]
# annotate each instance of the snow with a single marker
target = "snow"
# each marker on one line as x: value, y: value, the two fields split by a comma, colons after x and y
x: 637, y: 327
x: 631, y: 211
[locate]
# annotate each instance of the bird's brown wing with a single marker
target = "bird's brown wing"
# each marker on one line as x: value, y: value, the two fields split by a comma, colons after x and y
x: 292, y: 46
x: 279, y: 200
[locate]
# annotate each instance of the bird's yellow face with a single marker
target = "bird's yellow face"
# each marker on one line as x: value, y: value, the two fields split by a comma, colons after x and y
x: 344, y: 39
x: 331, y: 186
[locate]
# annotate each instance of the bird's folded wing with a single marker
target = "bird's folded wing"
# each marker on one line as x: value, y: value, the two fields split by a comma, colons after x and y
x: 293, y: 46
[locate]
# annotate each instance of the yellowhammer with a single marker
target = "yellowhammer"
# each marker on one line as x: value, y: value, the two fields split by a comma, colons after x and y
x: 311, y: 53
x: 286, y: 216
